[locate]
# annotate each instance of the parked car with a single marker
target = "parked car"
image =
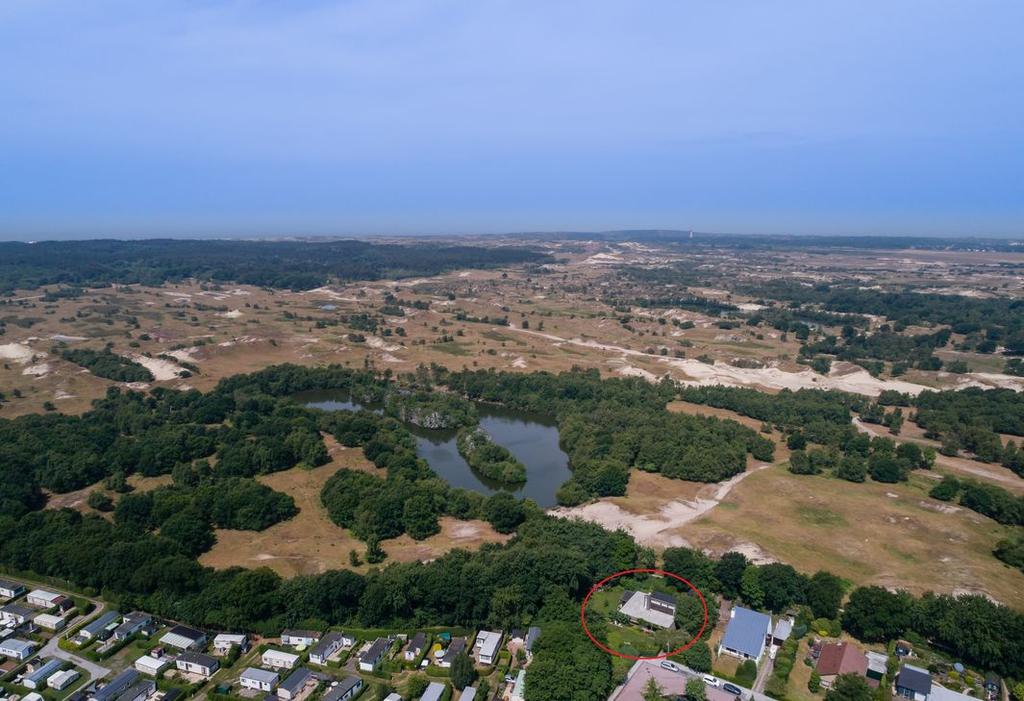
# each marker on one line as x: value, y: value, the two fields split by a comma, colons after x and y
x: 732, y: 689
x: 671, y: 666
x: 711, y: 681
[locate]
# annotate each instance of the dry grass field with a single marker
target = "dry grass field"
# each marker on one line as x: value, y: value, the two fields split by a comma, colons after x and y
x: 870, y: 533
x: 310, y: 543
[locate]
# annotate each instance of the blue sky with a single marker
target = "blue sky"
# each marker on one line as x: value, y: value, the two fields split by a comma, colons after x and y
x: 244, y: 117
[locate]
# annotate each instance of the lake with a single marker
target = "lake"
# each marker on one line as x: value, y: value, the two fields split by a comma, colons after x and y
x: 531, y: 438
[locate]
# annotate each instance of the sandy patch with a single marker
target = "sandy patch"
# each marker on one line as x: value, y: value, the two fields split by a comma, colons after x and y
x: 233, y: 314
x: 37, y: 370
x: 162, y: 369
x: 654, y: 528
x: 519, y: 362
x: 380, y: 344
x: 632, y: 371
x: 18, y: 352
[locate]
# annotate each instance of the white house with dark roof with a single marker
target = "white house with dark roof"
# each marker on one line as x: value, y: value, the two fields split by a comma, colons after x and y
x: 347, y: 688
x: 295, y: 684
x: 9, y: 590
x: 258, y: 679
x: 299, y: 638
x: 328, y: 645
x: 197, y: 663
x: 914, y: 683
x: 99, y: 629
x: 415, y: 647
x: 15, y: 614
x: 371, y: 658
x: 132, y: 624
x: 36, y: 679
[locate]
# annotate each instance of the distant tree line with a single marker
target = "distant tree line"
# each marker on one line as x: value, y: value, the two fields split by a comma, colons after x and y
x: 294, y: 265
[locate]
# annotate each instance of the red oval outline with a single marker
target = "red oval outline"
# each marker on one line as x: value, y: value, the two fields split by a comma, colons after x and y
x: 602, y: 646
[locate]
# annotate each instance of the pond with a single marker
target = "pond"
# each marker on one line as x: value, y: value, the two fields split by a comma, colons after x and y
x: 531, y: 438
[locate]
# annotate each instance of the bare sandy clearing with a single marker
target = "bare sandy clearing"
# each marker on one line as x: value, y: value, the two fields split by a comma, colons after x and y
x: 18, y: 352
x: 162, y: 370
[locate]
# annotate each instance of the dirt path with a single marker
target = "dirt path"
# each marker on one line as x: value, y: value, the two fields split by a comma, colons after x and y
x: 655, y: 529
x: 963, y: 466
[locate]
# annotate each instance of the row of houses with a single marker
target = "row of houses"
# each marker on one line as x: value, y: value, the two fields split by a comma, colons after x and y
x: 297, y: 683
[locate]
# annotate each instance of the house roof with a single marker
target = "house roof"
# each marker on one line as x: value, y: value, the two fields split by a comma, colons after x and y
x: 746, y: 631
x: 914, y: 678
x: 9, y: 585
x: 456, y: 646
x: 324, y: 646
x: 198, y: 658
x: 182, y: 636
x: 260, y: 675
x: 45, y: 670
x: 660, y: 596
x: 468, y: 694
x: 280, y: 654
x: 229, y: 639
x: 100, y: 623
x: 117, y: 685
x: 783, y: 627
x: 877, y: 661
x: 17, y: 645
x: 296, y: 680
x: 296, y: 633
x: 636, y: 608
x: 488, y: 642
x: 343, y: 687
x: 376, y: 650
x: 843, y: 658
x: 152, y: 663
x: 18, y: 610
x: 418, y: 641
x: 941, y: 693
x: 44, y: 594
x: 434, y: 692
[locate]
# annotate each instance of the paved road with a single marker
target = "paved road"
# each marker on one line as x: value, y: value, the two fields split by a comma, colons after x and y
x: 52, y: 649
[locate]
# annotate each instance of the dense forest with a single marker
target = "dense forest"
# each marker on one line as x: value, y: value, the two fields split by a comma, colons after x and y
x: 292, y: 265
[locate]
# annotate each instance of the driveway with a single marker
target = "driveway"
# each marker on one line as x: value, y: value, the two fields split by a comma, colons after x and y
x: 764, y: 671
x: 52, y: 649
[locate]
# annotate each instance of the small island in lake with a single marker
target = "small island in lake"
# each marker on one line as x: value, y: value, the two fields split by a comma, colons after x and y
x: 488, y: 458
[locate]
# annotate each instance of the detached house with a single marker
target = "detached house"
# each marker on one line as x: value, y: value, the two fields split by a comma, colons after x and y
x: 347, y: 688
x: 651, y: 608
x: 914, y: 683
x: 299, y: 638
x: 223, y: 642
x: 9, y: 590
x: 746, y: 634
x: 279, y: 659
x: 415, y: 647
x: 843, y: 658
x: 487, y: 646
x: 295, y: 684
x: 197, y: 663
x: 116, y: 686
x: 15, y: 614
x: 43, y: 598
x: 328, y: 645
x: 17, y: 649
x: 184, y: 638
x: 258, y: 679
x: 455, y: 648
x: 99, y: 629
x: 371, y: 658
x: 132, y: 624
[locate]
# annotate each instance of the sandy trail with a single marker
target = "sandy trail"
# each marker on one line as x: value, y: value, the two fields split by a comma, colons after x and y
x: 655, y: 530
x: 844, y: 376
x: 989, y: 472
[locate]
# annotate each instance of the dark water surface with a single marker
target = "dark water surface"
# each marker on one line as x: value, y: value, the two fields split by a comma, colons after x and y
x: 531, y: 438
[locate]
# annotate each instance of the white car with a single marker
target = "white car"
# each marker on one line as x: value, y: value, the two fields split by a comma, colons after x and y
x: 711, y: 681
x: 671, y: 666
